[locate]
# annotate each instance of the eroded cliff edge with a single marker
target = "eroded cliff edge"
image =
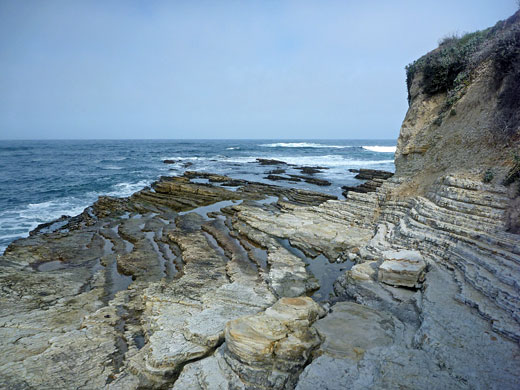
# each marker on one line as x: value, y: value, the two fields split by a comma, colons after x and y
x: 204, y: 282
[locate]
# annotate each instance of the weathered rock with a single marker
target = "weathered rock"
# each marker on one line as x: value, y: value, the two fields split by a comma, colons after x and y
x: 70, y: 319
x: 265, y: 161
x: 266, y: 350
x: 363, y: 271
x: 213, y: 177
x: 369, y: 174
x: 312, y: 229
x: 311, y: 170
x: 352, y: 329
x: 276, y: 171
x: 402, y: 268
x: 312, y: 180
x: 178, y: 194
x: 279, y: 339
x: 282, y: 178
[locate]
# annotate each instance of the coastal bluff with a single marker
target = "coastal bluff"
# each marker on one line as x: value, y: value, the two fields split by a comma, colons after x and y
x: 203, y: 281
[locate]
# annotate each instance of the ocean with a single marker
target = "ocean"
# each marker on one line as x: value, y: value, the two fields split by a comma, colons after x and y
x: 43, y: 180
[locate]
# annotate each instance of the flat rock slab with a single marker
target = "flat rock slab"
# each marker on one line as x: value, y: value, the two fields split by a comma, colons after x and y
x: 352, y: 329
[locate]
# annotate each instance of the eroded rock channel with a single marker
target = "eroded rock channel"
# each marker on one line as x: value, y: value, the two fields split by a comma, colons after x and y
x: 128, y: 292
x: 207, y: 282
x: 190, y: 285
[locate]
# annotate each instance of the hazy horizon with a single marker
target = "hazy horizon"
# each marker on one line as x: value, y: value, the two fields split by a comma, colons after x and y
x: 198, y: 139
x: 290, y: 70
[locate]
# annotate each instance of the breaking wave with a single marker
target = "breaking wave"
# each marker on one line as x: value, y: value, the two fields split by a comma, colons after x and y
x: 380, y: 149
x: 302, y: 145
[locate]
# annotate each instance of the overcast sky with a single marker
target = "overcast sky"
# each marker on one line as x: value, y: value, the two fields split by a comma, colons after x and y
x: 218, y: 69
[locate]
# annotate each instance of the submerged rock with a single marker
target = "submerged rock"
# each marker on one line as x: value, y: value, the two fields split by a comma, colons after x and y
x: 265, y: 161
x: 281, y: 178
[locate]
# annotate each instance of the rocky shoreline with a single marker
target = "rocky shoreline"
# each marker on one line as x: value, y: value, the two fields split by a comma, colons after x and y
x: 203, y: 281
x: 193, y: 285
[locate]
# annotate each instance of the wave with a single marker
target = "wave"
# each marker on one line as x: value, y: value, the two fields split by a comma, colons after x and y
x: 380, y: 149
x: 122, y: 190
x: 328, y: 161
x: 333, y: 160
x: 302, y: 145
x: 17, y: 223
x: 233, y: 148
x: 47, y: 211
x: 112, y: 167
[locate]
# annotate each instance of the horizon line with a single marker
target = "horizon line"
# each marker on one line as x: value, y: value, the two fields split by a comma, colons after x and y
x: 198, y: 139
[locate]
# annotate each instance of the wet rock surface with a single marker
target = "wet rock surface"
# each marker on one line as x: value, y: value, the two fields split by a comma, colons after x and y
x: 128, y: 292
x: 374, y: 179
x: 265, y: 161
x: 370, y: 174
x: 188, y: 285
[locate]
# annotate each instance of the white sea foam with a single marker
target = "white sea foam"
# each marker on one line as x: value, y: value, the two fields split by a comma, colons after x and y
x: 17, y: 223
x: 302, y: 145
x: 126, y: 189
x: 176, y: 158
x: 326, y: 160
x: 112, y: 167
x: 381, y: 149
x: 233, y: 148
x: 36, y: 213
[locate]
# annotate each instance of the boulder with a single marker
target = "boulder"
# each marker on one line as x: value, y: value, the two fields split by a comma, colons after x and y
x: 363, y: 271
x: 404, y: 268
x: 278, y: 341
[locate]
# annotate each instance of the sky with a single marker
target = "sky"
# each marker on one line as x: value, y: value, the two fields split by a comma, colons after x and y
x: 218, y: 69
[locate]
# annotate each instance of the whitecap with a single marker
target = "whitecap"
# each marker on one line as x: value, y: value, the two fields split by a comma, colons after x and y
x: 17, y: 223
x: 302, y: 145
x: 126, y: 189
x: 233, y: 148
x: 380, y: 149
x: 36, y: 213
x: 334, y: 160
x: 112, y: 167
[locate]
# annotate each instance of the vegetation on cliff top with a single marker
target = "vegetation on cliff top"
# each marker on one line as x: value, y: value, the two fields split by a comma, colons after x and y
x: 448, y: 69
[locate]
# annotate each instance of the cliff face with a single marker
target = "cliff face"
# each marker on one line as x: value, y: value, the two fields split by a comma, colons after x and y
x: 463, y: 116
x: 419, y: 280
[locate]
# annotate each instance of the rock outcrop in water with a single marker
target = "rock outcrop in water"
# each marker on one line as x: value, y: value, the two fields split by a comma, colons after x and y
x: 239, y: 285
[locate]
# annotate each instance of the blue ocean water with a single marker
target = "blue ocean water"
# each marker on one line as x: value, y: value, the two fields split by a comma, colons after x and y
x: 43, y: 180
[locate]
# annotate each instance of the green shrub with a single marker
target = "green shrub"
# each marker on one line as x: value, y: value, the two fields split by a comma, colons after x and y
x: 446, y: 69
x: 488, y: 176
x: 449, y: 68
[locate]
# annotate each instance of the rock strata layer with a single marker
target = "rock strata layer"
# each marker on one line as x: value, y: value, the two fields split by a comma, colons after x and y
x: 411, y: 284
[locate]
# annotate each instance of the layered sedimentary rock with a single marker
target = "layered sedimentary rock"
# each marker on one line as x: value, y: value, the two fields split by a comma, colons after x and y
x: 189, y: 285
x: 402, y: 268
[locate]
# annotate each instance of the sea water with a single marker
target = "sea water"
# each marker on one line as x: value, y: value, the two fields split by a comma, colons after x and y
x: 43, y: 180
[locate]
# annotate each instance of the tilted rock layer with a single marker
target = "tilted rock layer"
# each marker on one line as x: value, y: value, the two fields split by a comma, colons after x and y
x: 414, y: 283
